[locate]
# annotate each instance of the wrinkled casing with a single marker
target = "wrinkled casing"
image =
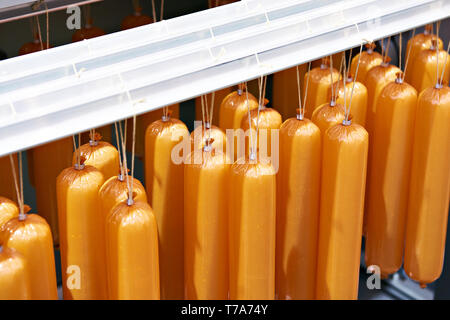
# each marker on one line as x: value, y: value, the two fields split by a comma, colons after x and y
x: 82, y: 232
x: 298, y: 190
x: 319, y: 84
x: 252, y: 200
x: 388, y: 179
x: 132, y: 253
x: 102, y: 156
x: 341, y: 211
x: 33, y: 239
x: 14, y: 282
x: 206, y: 226
x: 164, y: 184
x: 429, y: 187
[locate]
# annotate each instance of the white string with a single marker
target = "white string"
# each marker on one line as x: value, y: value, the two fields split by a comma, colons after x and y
x: 249, y: 121
x: 298, y: 91
x: 155, y: 19
x: 331, y: 76
x: 407, y: 55
x: 118, y: 148
x: 19, y: 199
x: 347, y: 114
x: 306, y: 88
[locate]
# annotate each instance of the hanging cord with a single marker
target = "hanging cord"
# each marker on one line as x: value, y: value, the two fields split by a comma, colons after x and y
x: 300, y: 107
x: 387, y: 49
x: 206, y: 112
x: 202, y: 99
x: 445, y: 63
x: 262, y: 89
x: 400, y: 51
x: 19, y: 188
x: 336, y: 91
x: 211, y: 112
x: 125, y: 165
x: 118, y: 149
x: 75, y: 150
x: 130, y: 197
x: 39, y: 32
x: 306, y: 88
x: 249, y: 123
x: 124, y: 152
x: 155, y: 19
x: 436, y: 42
x: 333, y: 101
x: 345, y: 122
x: 162, y: 10
x: 407, y: 56
x: 48, y: 25
x: 347, y: 113
x: 349, y: 61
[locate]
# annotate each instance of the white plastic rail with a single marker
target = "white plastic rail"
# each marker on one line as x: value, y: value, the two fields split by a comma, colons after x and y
x: 58, y: 92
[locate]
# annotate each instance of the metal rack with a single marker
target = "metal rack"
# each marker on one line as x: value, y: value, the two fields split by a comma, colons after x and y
x: 58, y: 92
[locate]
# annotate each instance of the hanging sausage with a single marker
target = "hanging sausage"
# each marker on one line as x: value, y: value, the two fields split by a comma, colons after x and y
x: 82, y: 231
x: 423, y: 71
x: 99, y: 154
x: 252, y: 217
x: 268, y: 120
x: 387, y: 188
x: 367, y: 60
x: 298, y: 190
x: 252, y: 230
x: 341, y: 211
x: 319, y: 85
x: 205, y: 224
x: 132, y: 257
x: 8, y: 210
x: 359, y: 99
x: 137, y: 19
x: 429, y: 187
x: 376, y: 79
x: 132, y: 252
x: 234, y: 107
x: 30, y: 235
x: 115, y: 191
x: 164, y: 184
x: 14, y: 282
x: 200, y: 135
x: 344, y: 160
x: 329, y: 113
x: 33, y: 46
x: 89, y: 31
x: 418, y: 43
